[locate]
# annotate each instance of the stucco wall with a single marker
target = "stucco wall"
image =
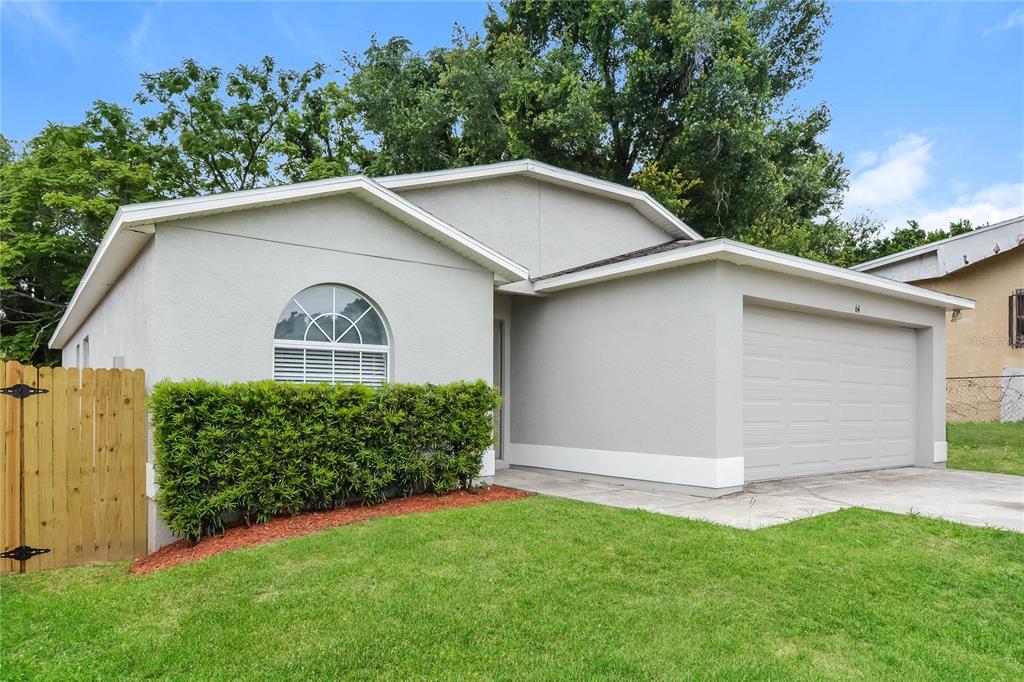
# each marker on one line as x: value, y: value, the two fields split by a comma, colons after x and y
x: 223, y: 281
x: 604, y: 366
x: 618, y: 378
x: 978, y: 342
x: 122, y: 324
x: 545, y: 227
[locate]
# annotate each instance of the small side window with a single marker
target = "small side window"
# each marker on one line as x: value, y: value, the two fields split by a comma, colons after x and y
x: 1017, y: 318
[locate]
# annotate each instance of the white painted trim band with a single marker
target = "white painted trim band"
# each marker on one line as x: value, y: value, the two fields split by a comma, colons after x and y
x: 703, y: 472
x: 940, y: 451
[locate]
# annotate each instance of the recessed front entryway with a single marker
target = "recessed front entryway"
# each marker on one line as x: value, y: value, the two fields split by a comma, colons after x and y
x: 824, y: 394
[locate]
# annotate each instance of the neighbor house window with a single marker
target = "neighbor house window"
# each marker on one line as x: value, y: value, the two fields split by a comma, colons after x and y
x: 1017, y: 319
x: 328, y: 333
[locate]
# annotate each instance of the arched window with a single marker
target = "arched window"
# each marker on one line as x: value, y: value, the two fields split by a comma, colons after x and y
x: 328, y: 333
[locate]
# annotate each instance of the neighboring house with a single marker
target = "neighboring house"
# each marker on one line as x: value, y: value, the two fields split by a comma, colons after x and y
x: 984, y: 346
x: 626, y: 346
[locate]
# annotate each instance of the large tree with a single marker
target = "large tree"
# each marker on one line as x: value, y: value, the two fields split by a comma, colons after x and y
x: 224, y: 131
x: 684, y: 99
x: 57, y: 197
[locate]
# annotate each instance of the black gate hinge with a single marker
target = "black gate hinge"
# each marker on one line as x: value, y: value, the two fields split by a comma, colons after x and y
x: 23, y: 553
x: 22, y: 391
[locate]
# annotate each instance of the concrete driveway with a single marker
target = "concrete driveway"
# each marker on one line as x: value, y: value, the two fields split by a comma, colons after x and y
x: 972, y: 497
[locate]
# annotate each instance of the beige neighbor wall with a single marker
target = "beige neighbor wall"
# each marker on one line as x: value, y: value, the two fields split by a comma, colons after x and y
x: 977, y: 342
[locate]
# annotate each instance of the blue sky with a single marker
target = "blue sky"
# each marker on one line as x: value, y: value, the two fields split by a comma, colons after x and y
x: 927, y: 98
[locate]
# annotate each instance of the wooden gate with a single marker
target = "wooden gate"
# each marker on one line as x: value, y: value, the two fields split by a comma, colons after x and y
x: 72, y: 465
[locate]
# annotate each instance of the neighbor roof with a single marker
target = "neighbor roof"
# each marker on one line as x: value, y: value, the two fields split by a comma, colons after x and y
x: 641, y: 201
x: 677, y: 254
x: 945, y: 257
x: 133, y: 226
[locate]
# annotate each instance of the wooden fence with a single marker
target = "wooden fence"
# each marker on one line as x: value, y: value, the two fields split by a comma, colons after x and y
x: 72, y: 465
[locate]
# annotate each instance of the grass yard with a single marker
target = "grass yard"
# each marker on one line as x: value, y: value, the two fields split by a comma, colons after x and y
x: 545, y: 589
x: 996, y: 447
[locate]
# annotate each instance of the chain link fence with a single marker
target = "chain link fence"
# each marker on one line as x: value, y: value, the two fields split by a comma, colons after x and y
x: 985, y: 399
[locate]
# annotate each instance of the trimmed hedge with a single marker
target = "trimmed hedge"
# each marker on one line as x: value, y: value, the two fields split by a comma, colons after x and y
x: 263, y: 449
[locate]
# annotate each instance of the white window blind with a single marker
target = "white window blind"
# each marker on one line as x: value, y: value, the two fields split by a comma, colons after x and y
x: 316, y: 365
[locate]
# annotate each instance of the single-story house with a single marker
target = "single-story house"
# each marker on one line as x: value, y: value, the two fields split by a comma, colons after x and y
x: 626, y: 346
x: 984, y: 346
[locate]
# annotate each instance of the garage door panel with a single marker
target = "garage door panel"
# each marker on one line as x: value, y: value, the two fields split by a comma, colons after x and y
x: 824, y: 394
x: 811, y: 371
x: 763, y: 370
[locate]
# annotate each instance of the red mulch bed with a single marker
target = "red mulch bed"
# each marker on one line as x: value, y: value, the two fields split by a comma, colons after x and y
x: 182, y: 552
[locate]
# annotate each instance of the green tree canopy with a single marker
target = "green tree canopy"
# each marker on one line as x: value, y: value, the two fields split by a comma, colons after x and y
x: 683, y: 99
x: 57, y: 197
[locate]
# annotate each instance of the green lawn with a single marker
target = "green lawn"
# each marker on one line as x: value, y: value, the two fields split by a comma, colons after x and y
x: 997, y: 447
x: 545, y: 589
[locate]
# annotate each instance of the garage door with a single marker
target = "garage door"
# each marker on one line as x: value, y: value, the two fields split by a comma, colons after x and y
x: 822, y: 394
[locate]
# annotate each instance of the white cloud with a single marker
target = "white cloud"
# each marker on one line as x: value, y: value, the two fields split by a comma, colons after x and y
x: 865, y: 158
x: 138, y: 36
x: 989, y: 205
x: 892, y: 185
x: 36, y: 20
x: 895, y: 177
x: 1015, y: 20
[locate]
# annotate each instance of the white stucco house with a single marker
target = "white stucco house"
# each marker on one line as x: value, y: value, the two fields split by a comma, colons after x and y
x: 625, y: 344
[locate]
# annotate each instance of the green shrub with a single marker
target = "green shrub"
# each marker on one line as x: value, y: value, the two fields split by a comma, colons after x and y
x: 263, y: 449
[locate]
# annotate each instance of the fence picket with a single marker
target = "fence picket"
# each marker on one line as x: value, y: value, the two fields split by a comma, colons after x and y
x: 10, y: 412
x: 44, y: 405
x: 102, y: 467
x: 74, y: 504
x: 140, y: 438
x: 125, y: 469
x: 87, y: 464
x: 30, y: 521
x: 59, y: 526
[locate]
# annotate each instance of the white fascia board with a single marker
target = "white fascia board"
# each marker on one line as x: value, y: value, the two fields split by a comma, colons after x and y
x: 523, y: 288
x: 132, y: 226
x: 641, y: 201
x: 935, y: 246
x: 744, y: 254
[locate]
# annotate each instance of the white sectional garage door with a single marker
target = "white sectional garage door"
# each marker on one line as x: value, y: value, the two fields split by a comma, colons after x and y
x: 823, y: 394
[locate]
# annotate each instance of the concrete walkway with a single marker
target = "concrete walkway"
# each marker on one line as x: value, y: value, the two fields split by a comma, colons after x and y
x: 972, y: 497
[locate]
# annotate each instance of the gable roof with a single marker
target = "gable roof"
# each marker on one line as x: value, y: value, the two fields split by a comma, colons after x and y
x: 134, y: 225
x: 639, y: 200
x: 681, y: 253
x: 944, y: 257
